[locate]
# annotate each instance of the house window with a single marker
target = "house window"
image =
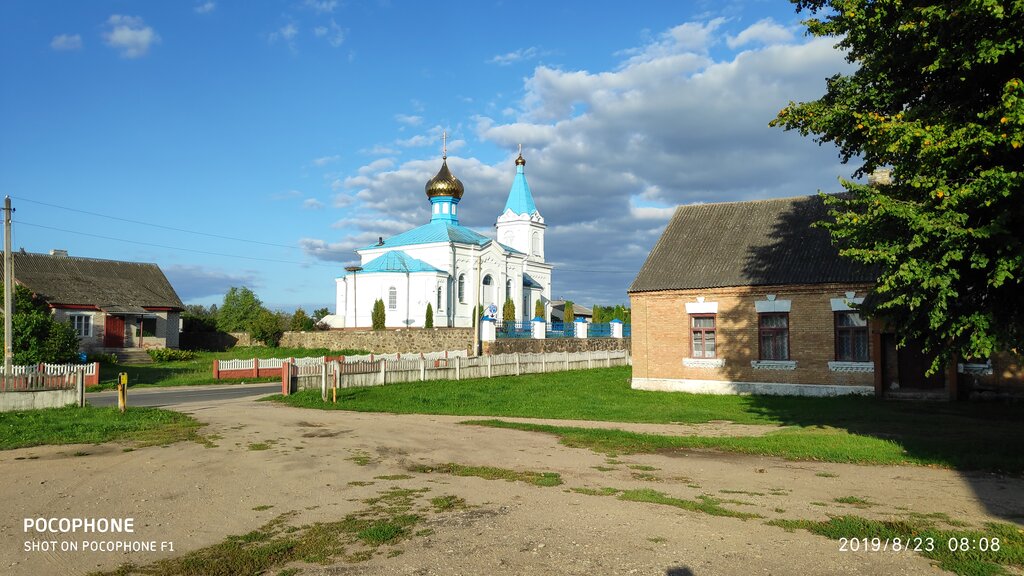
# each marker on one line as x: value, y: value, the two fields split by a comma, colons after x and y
x: 773, y: 335
x: 147, y: 326
x: 702, y: 329
x: 462, y: 288
x: 82, y: 324
x: 851, y: 337
x: 392, y: 298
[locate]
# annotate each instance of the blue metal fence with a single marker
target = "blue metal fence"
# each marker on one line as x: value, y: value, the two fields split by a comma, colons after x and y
x: 560, y: 330
x: 602, y: 330
x: 627, y: 330
x: 514, y: 329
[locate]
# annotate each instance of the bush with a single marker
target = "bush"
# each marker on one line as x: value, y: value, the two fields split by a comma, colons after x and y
x: 508, y: 311
x: 569, y: 314
x: 301, y: 322
x: 110, y: 358
x: 170, y: 355
x: 266, y: 328
x: 538, y: 309
x: 378, y: 314
x: 428, y: 322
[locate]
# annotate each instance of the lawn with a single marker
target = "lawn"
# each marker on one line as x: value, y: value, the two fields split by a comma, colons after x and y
x: 74, y: 425
x: 200, y: 370
x: 843, y: 429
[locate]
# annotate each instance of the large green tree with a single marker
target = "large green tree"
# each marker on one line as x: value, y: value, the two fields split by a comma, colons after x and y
x: 938, y: 97
x: 35, y: 335
x: 240, y: 310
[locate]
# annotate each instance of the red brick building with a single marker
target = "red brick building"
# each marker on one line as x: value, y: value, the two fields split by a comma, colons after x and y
x: 750, y: 297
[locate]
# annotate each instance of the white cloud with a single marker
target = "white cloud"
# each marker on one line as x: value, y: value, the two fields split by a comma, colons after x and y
x: 66, y: 42
x: 205, y: 7
x: 378, y: 150
x: 333, y: 33
x: 321, y: 6
x: 408, y: 120
x: 312, y: 204
x: 194, y: 282
x: 765, y: 31
x: 129, y: 35
x: 520, y: 55
x: 325, y: 160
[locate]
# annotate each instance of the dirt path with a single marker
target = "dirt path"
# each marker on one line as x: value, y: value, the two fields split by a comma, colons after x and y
x: 324, y: 464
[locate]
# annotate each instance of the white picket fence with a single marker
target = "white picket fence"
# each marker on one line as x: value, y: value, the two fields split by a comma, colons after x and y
x: 272, y: 363
x: 383, y: 370
x: 54, y: 369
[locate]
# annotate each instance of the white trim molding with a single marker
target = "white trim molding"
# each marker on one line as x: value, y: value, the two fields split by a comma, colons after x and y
x: 865, y: 367
x: 702, y: 307
x: 773, y: 364
x: 977, y: 369
x: 772, y: 305
x: 843, y: 304
x: 704, y: 362
x: 747, y: 388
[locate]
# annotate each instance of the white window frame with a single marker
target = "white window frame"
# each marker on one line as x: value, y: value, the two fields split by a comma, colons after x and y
x: 392, y: 298
x: 89, y: 324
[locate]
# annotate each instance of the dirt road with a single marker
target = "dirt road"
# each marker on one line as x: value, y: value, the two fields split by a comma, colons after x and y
x: 270, y: 459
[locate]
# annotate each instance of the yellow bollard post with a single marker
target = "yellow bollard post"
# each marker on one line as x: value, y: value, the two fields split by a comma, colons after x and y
x: 122, y: 391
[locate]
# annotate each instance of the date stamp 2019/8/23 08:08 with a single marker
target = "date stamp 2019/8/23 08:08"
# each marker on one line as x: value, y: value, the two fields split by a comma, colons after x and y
x: 917, y: 544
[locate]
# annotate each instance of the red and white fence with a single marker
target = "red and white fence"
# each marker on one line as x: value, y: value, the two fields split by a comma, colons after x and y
x: 271, y: 367
x: 40, y: 373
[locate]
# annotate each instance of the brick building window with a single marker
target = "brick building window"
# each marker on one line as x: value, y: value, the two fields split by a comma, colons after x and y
x: 773, y: 336
x: 851, y: 337
x: 702, y: 331
x: 82, y: 324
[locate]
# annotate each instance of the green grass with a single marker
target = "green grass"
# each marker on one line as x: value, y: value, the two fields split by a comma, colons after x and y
x: 200, y: 370
x: 973, y: 562
x: 447, y: 503
x: 492, y: 473
x: 968, y: 436
x: 355, y: 538
x: 855, y: 501
x: 73, y: 425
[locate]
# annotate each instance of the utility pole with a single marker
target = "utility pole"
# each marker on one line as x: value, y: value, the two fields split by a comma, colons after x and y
x: 8, y: 289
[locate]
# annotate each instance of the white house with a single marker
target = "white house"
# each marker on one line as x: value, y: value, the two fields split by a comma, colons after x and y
x: 450, y: 266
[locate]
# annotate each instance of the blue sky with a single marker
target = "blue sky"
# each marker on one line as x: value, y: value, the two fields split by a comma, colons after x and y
x: 258, y: 143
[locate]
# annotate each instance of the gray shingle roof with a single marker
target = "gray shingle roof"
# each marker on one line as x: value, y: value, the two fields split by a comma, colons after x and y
x: 111, y: 285
x: 759, y: 243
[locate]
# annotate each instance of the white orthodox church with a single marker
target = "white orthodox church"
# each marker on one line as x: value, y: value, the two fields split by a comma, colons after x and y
x: 450, y: 266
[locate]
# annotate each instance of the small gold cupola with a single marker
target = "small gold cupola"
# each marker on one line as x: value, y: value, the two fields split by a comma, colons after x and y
x: 444, y: 183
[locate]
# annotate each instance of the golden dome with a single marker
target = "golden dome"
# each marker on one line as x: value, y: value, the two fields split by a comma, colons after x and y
x: 520, y: 161
x: 444, y: 184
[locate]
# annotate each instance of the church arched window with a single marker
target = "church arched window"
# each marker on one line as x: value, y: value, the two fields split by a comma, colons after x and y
x: 392, y: 298
x: 508, y: 288
x: 439, y: 298
x: 462, y: 288
x: 536, y: 243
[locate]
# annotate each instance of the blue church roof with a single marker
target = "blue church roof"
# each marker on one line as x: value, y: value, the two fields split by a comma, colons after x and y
x: 520, y: 200
x: 436, y: 231
x: 397, y: 261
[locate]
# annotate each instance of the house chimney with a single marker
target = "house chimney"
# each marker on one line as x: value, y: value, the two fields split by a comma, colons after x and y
x: 57, y: 252
x: 880, y: 177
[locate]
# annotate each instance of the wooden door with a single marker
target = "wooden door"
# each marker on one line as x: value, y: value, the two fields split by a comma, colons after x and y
x: 113, y: 333
x: 912, y: 367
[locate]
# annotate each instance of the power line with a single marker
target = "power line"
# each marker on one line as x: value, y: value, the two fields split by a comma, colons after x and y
x: 292, y: 247
x: 172, y: 247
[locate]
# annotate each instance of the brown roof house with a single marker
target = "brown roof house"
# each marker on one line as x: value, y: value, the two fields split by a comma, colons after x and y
x: 112, y: 305
x: 749, y: 297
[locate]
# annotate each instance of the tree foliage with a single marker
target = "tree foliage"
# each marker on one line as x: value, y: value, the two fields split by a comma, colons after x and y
x: 267, y: 328
x: 240, y: 310
x: 199, y: 318
x: 538, y: 309
x: 938, y: 96
x: 508, y: 311
x: 428, y: 319
x: 568, y: 314
x: 377, y: 315
x: 301, y: 322
x: 319, y: 314
x: 36, y: 336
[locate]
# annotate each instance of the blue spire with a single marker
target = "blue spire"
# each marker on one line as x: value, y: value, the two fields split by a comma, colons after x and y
x: 520, y: 200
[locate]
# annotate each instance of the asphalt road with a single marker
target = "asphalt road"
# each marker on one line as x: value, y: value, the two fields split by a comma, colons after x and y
x: 182, y: 395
